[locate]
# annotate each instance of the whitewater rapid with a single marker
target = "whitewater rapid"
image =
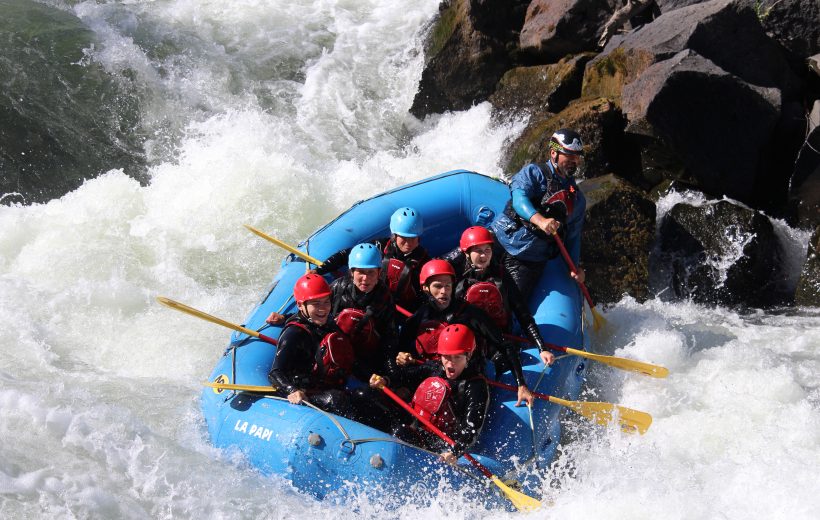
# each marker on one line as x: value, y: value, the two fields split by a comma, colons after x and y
x: 281, y: 115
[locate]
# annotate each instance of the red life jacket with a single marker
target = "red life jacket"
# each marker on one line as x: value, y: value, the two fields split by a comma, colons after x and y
x: 433, y: 402
x: 359, y: 328
x: 334, y: 358
x: 487, y: 297
x: 427, y: 339
x: 397, y: 277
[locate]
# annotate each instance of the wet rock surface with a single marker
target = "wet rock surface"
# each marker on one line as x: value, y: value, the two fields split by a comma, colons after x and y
x: 715, y: 95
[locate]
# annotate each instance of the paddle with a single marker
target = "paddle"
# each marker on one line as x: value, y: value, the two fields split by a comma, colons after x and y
x: 213, y: 319
x: 601, y: 413
x: 598, y: 321
x: 301, y: 254
x: 240, y: 388
x: 521, y: 501
x: 613, y: 361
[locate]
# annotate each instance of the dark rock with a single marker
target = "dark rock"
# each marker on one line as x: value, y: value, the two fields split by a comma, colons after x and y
x: 62, y: 120
x: 600, y: 124
x: 792, y: 23
x: 804, y: 187
x: 555, y: 28
x: 808, y: 288
x: 795, y: 24
x: 669, y: 101
x: 722, y: 31
x: 618, y: 234
x: 722, y: 253
x: 470, y: 48
x: 540, y: 89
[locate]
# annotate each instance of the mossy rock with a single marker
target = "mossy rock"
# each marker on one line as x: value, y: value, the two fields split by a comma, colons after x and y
x: 606, y: 75
x: 618, y: 234
x: 540, y: 89
x: 596, y: 119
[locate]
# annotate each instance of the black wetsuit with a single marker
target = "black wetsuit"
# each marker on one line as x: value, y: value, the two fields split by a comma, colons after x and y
x: 514, y: 302
x: 293, y: 366
x: 489, y: 338
x: 470, y: 399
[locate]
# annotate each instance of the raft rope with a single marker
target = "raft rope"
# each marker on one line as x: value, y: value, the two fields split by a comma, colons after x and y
x: 355, y: 442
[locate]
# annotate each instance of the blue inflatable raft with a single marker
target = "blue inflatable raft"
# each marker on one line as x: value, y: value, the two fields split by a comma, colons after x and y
x: 322, y: 454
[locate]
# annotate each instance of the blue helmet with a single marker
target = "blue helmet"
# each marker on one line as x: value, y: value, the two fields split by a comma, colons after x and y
x: 364, y: 256
x: 406, y: 222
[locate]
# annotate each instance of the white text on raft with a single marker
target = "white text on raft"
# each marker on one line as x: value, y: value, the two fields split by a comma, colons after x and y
x: 255, y: 431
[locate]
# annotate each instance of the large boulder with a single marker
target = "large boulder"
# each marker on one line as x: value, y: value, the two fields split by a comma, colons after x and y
x: 722, y: 31
x: 617, y: 237
x: 63, y: 119
x: 804, y: 185
x: 540, y: 89
x: 724, y: 152
x: 722, y: 253
x: 555, y: 28
x: 808, y: 288
x: 793, y: 23
x: 469, y: 49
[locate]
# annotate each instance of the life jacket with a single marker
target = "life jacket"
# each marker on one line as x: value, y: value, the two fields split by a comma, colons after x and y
x: 487, y: 297
x: 432, y: 400
x: 358, y: 326
x: 427, y: 339
x: 554, y: 204
x: 333, y: 360
x: 397, y: 276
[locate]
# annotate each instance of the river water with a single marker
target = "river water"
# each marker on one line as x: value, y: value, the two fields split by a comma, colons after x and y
x: 281, y: 114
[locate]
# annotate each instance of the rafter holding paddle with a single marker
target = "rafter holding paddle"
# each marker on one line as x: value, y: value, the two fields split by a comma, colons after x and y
x: 521, y: 501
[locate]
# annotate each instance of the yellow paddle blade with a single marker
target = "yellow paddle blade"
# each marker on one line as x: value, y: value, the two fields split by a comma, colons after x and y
x: 240, y: 388
x: 602, y: 413
x: 301, y: 254
x: 522, y: 502
x: 598, y: 321
x: 205, y: 316
x: 623, y: 363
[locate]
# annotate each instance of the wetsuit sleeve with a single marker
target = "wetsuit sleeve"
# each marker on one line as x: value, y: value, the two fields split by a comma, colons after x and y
x: 482, y: 324
x: 522, y: 204
x: 334, y: 262
x: 293, y: 362
x: 476, y: 401
x: 456, y: 258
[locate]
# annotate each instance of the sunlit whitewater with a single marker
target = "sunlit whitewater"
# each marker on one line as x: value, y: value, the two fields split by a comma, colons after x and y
x: 281, y: 115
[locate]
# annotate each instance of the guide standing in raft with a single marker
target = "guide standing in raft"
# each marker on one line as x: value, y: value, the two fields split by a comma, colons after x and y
x: 544, y: 200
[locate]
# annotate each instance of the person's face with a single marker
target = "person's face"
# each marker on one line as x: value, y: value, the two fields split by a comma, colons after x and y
x: 365, y: 280
x: 406, y: 244
x: 566, y: 165
x: 440, y: 287
x: 454, y: 364
x: 480, y: 256
x: 316, y: 310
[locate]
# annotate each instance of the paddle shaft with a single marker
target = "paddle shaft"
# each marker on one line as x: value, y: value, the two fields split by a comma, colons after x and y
x: 213, y: 319
x: 572, y: 268
x: 430, y: 426
x: 301, y: 254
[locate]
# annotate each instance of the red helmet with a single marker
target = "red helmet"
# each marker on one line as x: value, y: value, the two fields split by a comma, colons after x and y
x: 456, y: 339
x: 434, y: 267
x: 475, y: 236
x: 310, y: 287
